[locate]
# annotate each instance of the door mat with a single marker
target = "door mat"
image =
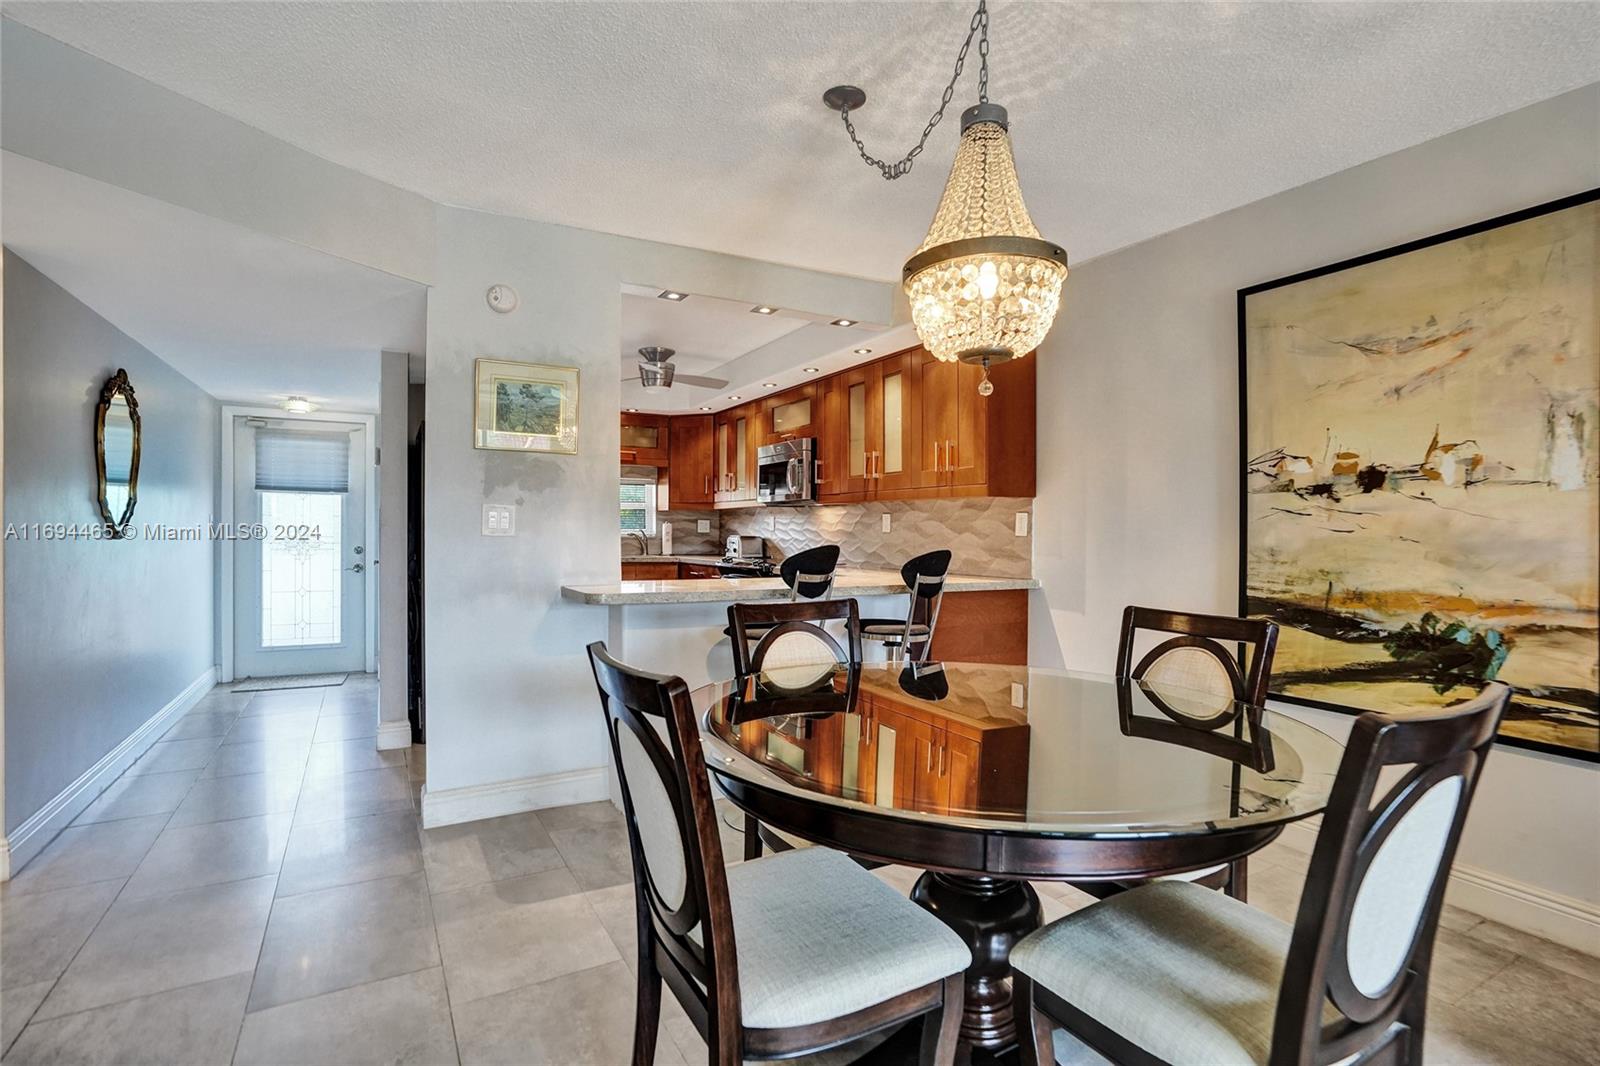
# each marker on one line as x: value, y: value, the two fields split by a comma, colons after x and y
x: 263, y: 684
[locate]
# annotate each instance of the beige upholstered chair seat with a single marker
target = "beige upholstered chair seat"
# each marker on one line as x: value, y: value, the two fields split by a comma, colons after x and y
x: 818, y: 937
x: 1188, y: 974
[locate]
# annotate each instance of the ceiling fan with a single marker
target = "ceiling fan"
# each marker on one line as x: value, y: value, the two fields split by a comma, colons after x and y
x: 657, y: 374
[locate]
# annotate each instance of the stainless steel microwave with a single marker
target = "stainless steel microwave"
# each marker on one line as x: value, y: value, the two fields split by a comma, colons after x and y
x: 786, y: 471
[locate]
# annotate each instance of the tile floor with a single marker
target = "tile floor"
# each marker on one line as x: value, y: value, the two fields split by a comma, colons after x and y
x: 257, y: 889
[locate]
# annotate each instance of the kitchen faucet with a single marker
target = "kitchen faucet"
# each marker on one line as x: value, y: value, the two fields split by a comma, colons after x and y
x: 644, y: 543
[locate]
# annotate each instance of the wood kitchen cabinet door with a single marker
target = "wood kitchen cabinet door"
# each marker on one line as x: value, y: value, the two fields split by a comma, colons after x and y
x: 962, y: 766
x: 734, y: 432
x: 918, y: 784
x: 934, y: 387
x: 644, y: 439
x: 691, y: 470
x: 792, y: 414
x: 966, y: 460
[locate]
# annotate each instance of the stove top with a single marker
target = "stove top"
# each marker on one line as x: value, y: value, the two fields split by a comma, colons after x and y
x: 747, y: 567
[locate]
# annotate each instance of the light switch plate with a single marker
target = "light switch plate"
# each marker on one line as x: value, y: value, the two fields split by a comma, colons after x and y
x: 702, y: 525
x: 1022, y: 523
x: 499, y: 519
x: 1019, y: 695
x: 886, y: 522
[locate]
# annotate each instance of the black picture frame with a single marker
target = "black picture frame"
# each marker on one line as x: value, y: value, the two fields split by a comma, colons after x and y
x: 1561, y: 204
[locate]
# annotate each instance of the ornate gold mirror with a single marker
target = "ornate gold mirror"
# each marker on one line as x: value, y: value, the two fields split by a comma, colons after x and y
x: 116, y: 452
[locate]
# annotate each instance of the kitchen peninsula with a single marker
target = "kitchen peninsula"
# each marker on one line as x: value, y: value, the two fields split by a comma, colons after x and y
x: 676, y: 626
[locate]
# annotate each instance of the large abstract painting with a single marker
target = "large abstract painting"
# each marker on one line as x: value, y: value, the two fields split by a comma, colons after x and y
x: 1421, y: 467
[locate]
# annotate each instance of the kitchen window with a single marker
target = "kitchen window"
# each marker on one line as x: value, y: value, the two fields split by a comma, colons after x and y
x: 638, y: 507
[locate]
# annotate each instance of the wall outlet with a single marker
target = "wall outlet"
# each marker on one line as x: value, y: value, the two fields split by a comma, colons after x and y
x: 887, y: 523
x: 772, y: 523
x: 499, y: 519
x: 1019, y: 695
x: 1022, y: 523
x: 702, y: 525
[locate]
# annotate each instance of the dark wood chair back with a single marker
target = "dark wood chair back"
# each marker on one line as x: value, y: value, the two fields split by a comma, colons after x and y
x: 809, y: 574
x: 781, y: 627
x: 1201, y: 635
x: 679, y: 879
x: 1363, y: 937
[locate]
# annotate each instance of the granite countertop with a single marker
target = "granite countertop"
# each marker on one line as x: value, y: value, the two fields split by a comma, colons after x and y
x: 705, y: 559
x: 748, y: 589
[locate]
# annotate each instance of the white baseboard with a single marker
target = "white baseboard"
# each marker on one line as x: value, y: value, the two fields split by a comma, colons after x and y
x: 42, y: 826
x: 1564, y: 919
x: 452, y: 806
x: 393, y: 735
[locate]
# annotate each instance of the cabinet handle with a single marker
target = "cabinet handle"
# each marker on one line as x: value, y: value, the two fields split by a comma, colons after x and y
x: 817, y: 473
x: 930, y: 758
x: 877, y: 464
x: 938, y: 466
x: 950, y: 455
x: 944, y: 750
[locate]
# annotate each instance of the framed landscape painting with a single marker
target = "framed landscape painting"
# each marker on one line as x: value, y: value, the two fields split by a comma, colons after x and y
x: 526, y: 407
x: 1421, y: 474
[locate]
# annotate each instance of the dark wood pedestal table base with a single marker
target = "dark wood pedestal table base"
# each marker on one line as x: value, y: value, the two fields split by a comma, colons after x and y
x: 940, y: 767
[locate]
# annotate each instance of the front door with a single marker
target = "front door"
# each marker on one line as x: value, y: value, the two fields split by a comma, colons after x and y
x: 300, y: 587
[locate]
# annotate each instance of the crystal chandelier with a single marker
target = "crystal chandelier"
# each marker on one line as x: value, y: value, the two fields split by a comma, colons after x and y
x: 984, y: 286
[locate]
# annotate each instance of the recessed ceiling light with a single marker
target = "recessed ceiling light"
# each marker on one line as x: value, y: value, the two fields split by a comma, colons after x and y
x: 769, y: 384
x: 633, y: 410
x: 668, y: 294
x: 763, y: 309
x: 705, y: 408
x: 810, y: 370
x: 844, y: 322
x: 732, y: 398
x: 298, y: 405
x: 863, y: 351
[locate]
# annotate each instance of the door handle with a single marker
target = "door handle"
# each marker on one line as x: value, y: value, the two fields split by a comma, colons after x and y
x: 358, y: 568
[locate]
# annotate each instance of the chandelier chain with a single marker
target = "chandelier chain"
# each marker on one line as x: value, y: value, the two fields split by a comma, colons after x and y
x: 979, y: 28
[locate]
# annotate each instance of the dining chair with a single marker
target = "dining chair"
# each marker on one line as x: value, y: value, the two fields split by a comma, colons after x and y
x: 925, y: 579
x: 1173, y: 973
x: 791, y: 653
x: 809, y: 575
x: 773, y: 958
x: 1193, y: 658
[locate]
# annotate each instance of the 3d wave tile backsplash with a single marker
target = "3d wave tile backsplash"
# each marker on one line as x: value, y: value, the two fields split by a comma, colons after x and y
x: 981, y: 532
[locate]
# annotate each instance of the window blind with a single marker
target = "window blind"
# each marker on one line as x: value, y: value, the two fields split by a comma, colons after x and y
x: 296, y: 461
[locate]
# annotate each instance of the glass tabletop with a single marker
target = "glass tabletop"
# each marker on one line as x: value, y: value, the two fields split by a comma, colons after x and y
x: 1017, y: 749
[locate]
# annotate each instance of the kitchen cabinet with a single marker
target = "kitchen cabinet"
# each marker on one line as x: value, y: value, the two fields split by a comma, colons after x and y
x: 967, y: 444
x: 644, y: 439
x: 791, y: 414
x: 946, y: 756
x: 691, y: 468
x: 735, y: 433
x: 697, y: 571
x: 649, y: 571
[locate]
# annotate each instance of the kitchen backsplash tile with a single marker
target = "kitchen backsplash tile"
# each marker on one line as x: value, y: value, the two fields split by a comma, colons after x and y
x: 981, y: 532
x: 685, y: 538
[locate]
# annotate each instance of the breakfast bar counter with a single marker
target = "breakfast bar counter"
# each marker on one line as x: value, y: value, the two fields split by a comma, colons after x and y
x: 849, y: 582
x: 676, y: 627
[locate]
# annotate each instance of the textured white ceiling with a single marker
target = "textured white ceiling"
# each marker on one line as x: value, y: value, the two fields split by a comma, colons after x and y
x: 242, y: 315
x: 699, y: 123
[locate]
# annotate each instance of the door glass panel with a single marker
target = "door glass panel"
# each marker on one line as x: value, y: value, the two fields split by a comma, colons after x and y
x: 739, y: 445
x: 858, y: 430
x: 852, y: 754
x: 301, y: 560
x: 790, y: 416
x: 883, y: 795
x: 641, y: 437
x: 893, y: 417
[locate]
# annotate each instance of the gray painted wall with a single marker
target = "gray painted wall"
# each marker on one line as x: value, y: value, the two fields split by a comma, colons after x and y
x: 1138, y: 462
x: 99, y: 635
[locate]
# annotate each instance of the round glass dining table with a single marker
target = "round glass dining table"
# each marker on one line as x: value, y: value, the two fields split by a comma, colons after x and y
x: 988, y: 777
